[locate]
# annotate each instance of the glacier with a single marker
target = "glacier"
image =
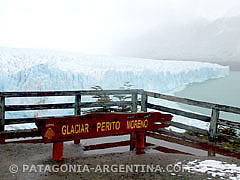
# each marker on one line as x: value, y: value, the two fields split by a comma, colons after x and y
x: 29, y: 70
x: 25, y: 70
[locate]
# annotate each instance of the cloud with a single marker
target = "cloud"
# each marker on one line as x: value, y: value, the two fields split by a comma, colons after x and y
x: 92, y: 26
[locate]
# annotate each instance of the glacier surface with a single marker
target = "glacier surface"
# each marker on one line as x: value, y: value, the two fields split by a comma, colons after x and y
x: 27, y: 70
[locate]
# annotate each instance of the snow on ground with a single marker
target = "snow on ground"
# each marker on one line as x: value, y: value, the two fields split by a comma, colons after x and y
x: 214, y: 168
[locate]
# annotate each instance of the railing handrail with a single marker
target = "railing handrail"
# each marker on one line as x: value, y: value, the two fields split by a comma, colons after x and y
x: 202, y: 104
x: 66, y: 93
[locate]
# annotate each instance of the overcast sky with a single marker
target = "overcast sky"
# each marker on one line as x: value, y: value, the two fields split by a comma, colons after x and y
x: 91, y: 26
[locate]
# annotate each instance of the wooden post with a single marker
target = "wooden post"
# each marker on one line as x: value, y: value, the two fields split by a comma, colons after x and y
x: 57, y: 151
x: 213, y: 124
x: 144, y: 99
x: 140, y: 142
x: 134, y: 109
x: 2, y: 117
x: 211, y: 152
x: 134, y: 102
x: 77, y: 111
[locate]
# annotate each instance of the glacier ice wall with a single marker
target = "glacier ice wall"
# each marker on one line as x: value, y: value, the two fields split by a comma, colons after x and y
x: 25, y: 70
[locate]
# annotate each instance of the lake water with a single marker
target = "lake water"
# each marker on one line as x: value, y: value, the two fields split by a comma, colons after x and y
x: 224, y: 90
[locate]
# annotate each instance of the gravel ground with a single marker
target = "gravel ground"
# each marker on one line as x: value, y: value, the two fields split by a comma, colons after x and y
x: 35, y: 161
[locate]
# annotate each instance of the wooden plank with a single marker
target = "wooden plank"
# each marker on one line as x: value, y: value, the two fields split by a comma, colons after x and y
x: 225, y: 108
x: 101, y: 104
x: 23, y: 133
x: 189, y: 128
x: 108, y: 92
x: 39, y: 107
x: 213, y: 124
x: 65, y: 93
x: 39, y: 93
x: 64, y: 105
x: 228, y: 123
x: 19, y: 121
x: 179, y: 112
x: 144, y: 100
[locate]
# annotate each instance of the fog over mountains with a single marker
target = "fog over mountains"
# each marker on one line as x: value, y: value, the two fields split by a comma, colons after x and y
x: 201, y: 40
x: 199, y: 30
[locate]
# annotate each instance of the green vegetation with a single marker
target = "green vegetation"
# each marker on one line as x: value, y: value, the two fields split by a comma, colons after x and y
x: 105, y: 99
x: 227, y: 137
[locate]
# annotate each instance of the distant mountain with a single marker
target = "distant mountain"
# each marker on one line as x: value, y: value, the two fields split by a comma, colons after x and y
x: 203, y: 40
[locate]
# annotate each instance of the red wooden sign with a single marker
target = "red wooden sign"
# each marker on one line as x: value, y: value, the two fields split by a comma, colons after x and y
x: 99, y: 124
x: 59, y: 129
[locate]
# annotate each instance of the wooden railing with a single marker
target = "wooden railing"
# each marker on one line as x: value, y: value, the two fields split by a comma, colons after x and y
x: 134, y: 102
x: 213, y: 119
x: 77, y: 105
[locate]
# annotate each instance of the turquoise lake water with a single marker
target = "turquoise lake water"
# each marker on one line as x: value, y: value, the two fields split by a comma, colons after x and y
x: 224, y: 90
